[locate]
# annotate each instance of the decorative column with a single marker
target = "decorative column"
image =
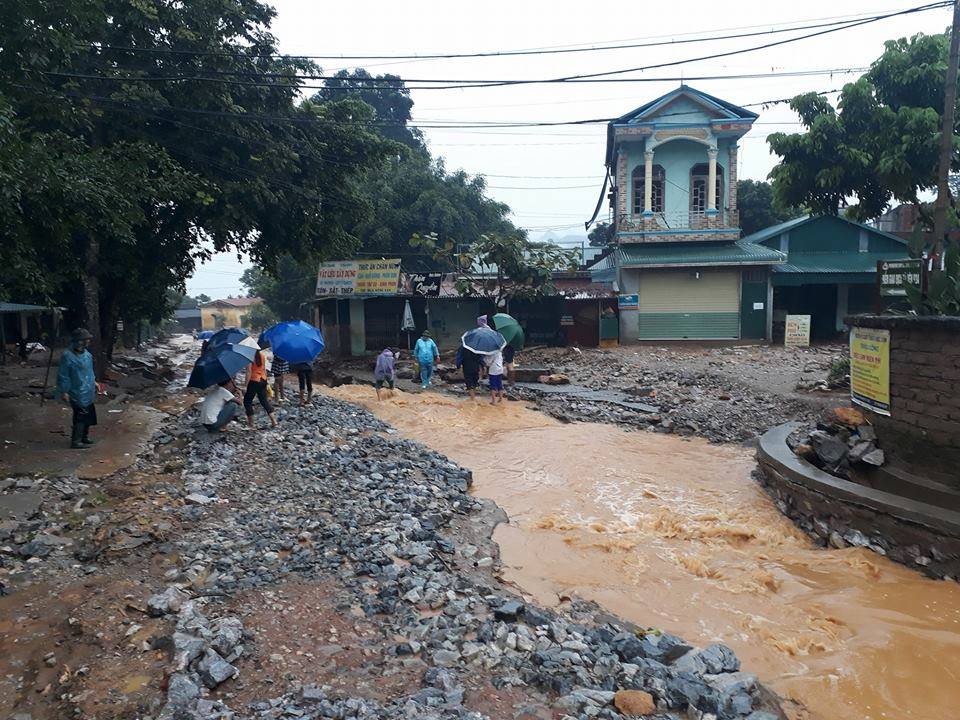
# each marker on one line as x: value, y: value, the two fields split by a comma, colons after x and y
x: 732, y: 178
x: 648, y: 183
x: 712, y: 182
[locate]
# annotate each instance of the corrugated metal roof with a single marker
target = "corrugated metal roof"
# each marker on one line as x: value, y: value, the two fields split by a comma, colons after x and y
x: 836, y: 262
x: 6, y: 307
x: 774, y: 230
x: 687, y: 254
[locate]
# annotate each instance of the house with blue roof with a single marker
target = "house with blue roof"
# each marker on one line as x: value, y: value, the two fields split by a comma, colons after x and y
x: 830, y: 269
x: 679, y: 265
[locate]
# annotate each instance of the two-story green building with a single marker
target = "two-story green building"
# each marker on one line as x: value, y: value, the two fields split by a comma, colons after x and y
x: 680, y: 267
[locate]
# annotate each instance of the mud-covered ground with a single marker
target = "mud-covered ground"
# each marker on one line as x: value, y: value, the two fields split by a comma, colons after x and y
x: 326, y: 569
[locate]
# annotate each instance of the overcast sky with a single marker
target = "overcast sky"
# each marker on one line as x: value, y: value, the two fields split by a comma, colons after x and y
x: 551, y: 176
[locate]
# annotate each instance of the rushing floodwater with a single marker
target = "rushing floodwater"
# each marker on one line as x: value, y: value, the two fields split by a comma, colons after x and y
x: 675, y: 534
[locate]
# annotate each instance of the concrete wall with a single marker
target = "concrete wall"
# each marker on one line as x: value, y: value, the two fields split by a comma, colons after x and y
x: 923, y: 430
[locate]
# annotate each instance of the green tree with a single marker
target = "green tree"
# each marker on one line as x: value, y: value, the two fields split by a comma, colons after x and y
x: 879, y: 144
x: 133, y: 177
x: 601, y: 234
x: 414, y: 195
x: 388, y: 97
x: 260, y: 317
x: 285, y: 287
x: 503, y: 267
x: 757, y: 207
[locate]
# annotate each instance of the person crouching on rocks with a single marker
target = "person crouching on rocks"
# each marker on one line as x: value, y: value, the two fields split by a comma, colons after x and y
x: 385, y: 372
x: 257, y: 388
x: 219, y: 407
x: 77, y: 384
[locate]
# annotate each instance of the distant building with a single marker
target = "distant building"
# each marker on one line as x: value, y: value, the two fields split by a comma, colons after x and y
x: 187, y: 319
x: 679, y: 265
x: 831, y: 268
x: 229, y: 312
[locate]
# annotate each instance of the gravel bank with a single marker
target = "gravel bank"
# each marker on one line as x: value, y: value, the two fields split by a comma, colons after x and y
x: 334, y: 496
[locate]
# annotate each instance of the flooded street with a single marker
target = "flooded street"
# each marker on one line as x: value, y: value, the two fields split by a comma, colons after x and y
x: 675, y: 534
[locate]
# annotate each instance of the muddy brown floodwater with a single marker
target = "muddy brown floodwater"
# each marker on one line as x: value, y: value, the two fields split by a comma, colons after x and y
x: 675, y: 534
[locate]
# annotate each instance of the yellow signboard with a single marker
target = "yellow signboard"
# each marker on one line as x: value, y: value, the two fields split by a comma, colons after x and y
x: 797, y: 332
x: 358, y: 277
x: 870, y: 368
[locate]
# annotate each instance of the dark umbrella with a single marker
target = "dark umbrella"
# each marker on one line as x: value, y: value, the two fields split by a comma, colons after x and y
x: 220, y: 363
x: 483, y: 340
x: 226, y: 335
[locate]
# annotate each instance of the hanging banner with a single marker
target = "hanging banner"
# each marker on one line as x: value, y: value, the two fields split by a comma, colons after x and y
x: 870, y: 368
x: 358, y: 277
x: 797, y: 331
x: 426, y: 284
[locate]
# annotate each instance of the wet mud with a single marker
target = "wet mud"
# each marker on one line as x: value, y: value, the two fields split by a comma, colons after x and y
x: 675, y: 533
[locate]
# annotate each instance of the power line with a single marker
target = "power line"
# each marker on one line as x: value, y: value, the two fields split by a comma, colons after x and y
x: 499, y: 53
x: 313, y: 120
x: 673, y: 63
x: 409, y: 83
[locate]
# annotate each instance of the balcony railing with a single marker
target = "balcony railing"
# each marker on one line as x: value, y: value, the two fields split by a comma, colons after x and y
x: 683, y: 220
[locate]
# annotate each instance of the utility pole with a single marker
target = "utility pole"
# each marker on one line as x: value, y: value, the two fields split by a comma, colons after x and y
x: 946, y: 135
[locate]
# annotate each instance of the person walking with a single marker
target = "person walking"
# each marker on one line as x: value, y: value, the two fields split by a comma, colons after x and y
x: 257, y: 388
x: 508, y: 353
x: 219, y: 407
x: 494, y: 362
x: 77, y: 385
x: 384, y: 371
x: 304, y: 373
x: 470, y: 362
x: 427, y: 354
x: 279, y: 369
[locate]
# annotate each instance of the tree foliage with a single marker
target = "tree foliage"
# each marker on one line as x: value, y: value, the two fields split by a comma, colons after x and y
x: 386, y: 94
x: 503, y: 267
x: 601, y: 234
x: 285, y: 287
x: 758, y: 207
x: 116, y: 183
x: 879, y: 144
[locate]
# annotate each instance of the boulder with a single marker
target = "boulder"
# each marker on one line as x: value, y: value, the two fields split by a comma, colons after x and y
x: 634, y: 702
x: 860, y: 449
x: 847, y: 416
x: 828, y: 448
x: 214, y: 670
x: 874, y: 457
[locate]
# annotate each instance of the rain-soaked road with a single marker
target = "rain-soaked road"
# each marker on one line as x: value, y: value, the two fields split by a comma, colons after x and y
x: 675, y: 534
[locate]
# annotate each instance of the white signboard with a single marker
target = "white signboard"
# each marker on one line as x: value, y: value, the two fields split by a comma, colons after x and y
x: 797, y: 331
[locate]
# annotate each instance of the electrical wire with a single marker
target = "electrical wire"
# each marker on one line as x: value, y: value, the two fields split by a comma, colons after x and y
x: 508, y: 53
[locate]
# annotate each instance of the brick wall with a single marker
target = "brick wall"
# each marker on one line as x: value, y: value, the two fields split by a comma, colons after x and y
x: 923, y: 430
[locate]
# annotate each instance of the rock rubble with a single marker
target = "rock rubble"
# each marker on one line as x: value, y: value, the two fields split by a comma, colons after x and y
x: 335, y: 494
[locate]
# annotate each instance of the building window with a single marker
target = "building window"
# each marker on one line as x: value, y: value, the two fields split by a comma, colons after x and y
x: 656, y: 195
x: 699, y: 175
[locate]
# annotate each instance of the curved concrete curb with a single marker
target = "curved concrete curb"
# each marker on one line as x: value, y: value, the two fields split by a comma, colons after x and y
x: 839, y: 512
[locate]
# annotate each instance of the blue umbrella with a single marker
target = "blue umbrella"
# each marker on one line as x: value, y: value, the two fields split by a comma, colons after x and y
x: 205, y: 335
x: 483, y: 340
x: 226, y: 335
x: 220, y: 363
x: 295, y: 341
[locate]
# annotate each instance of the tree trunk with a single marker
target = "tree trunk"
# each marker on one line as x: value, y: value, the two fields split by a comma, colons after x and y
x: 91, y: 303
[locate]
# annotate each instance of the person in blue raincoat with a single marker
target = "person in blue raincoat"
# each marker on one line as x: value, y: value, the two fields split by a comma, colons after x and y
x: 77, y: 385
x: 427, y: 354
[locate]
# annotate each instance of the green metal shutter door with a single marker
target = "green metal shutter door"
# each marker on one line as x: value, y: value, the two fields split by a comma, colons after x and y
x: 678, y: 305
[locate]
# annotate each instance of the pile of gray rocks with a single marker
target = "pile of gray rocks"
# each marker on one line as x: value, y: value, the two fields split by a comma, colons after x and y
x: 334, y: 494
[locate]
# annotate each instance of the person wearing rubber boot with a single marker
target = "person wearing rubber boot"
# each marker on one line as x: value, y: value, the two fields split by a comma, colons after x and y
x: 77, y: 385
